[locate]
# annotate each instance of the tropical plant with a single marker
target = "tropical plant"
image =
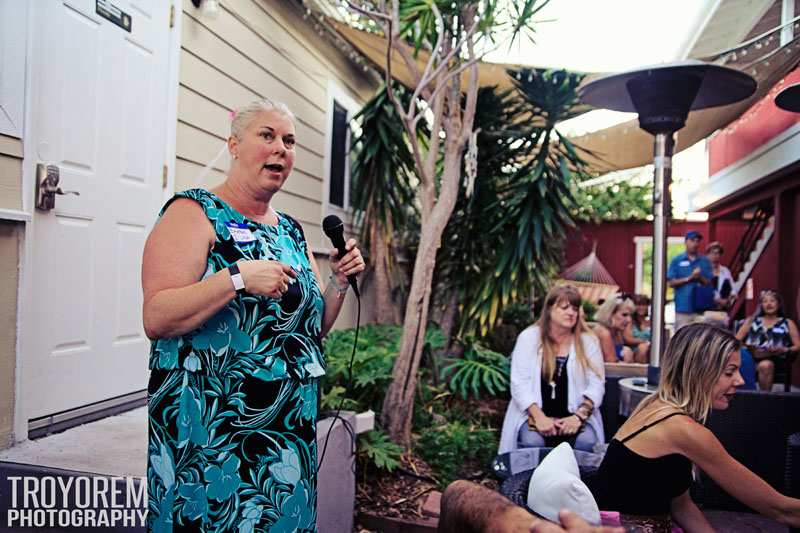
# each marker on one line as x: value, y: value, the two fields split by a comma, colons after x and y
x: 479, y: 370
x: 376, y: 447
x: 456, y: 449
x: 448, y: 37
x: 372, y: 364
x: 383, y: 192
x: 505, y: 239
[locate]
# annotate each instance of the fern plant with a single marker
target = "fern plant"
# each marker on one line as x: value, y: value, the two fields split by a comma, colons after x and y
x: 480, y: 369
x: 375, y: 447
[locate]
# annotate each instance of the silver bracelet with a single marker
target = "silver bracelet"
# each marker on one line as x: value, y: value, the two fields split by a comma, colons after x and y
x: 341, y: 289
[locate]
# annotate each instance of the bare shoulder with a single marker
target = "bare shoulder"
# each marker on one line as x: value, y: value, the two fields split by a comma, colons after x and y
x: 185, y: 217
x: 601, y: 332
x: 176, y: 250
x: 689, y: 436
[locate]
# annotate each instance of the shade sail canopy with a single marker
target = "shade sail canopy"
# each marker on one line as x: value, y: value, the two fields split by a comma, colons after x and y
x: 616, y: 148
x: 373, y: 47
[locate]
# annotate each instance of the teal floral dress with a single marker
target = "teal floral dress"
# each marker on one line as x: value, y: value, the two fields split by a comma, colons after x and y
x: 233, y: 404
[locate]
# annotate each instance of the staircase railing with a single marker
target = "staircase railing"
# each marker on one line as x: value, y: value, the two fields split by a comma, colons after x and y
x: 749, y: 240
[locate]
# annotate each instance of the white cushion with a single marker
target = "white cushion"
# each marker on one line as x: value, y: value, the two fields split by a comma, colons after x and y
x: 556, y: 485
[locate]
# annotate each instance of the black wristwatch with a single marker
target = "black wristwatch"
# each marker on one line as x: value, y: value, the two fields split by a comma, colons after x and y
x: 236, y: 278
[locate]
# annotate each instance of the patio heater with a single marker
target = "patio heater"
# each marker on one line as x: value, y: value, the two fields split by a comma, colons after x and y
x: 663, y: 95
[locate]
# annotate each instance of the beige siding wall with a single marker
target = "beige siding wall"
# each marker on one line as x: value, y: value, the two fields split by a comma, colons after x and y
x: 10, y: 198
x: 10, y: 172
x: 262, y: 48
x: 9, y: 260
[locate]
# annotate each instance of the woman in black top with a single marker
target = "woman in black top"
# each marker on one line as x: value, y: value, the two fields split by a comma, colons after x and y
x: 665, y: 435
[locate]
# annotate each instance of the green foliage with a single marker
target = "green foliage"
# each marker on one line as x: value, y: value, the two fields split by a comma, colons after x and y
x: 520, y: 203
x: 480, y: 370
x: 456, y: 449
x: 513, y: 319
x: 383, y: 169
x: 419, y: 24
x: 589, y: 309
x: 613, y: 202
x: 673, y: 249
x: 376, y: 447
x: 372, y: 366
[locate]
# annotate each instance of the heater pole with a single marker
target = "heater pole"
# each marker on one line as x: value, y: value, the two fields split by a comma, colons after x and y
x: 662, y: 162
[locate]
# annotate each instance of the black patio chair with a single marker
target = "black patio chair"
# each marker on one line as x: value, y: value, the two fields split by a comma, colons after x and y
x: 761, y: 431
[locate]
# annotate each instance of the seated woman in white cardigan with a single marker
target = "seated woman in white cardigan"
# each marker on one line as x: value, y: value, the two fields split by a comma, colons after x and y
x: 557, y: 380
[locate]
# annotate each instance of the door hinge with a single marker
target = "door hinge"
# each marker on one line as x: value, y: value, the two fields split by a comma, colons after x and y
x: 164, y: 175
x: 172, y: 16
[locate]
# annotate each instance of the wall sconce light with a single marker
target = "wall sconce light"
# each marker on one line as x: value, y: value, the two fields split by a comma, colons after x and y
x: 210, y: 8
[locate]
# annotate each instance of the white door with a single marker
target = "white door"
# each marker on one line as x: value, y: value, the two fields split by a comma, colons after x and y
x: 98, y: 108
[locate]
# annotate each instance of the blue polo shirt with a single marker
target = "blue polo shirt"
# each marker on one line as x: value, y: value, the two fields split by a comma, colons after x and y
x: 681, y: 267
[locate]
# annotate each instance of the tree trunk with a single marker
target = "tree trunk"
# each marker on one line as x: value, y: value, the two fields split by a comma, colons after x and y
x: 448, y: 322
x: 398, y: 405
x: 384, y: 312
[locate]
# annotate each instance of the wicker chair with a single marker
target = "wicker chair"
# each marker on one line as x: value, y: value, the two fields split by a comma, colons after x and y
x: 762, y: 431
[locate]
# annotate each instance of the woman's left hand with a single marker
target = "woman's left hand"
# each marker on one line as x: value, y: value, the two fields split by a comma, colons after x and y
x: 351, y: 264
x: 569, y: 425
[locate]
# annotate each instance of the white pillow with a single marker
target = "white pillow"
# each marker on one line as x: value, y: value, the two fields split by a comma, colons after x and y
x: 556, y: 485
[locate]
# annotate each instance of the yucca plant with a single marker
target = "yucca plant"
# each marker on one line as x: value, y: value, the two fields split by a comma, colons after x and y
x: 506, y: 235
x: 383, y: 193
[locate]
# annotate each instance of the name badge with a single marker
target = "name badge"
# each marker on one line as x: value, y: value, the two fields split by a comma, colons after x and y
x: 240, y: 232
x: 684, y: 263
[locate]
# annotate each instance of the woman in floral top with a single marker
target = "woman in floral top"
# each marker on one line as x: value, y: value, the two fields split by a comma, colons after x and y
x: 768, y: 334
x: 235, y: 306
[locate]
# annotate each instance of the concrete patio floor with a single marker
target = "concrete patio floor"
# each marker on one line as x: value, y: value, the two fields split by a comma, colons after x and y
x: 116, y: 446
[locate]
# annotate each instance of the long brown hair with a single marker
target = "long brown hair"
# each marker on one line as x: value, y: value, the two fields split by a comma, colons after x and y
x: 693, y: 362
x: 549, y: 346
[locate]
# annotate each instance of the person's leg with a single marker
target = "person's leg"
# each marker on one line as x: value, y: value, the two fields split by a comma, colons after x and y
x: 528, y: 438
x: 586, y: 439
x: 766, y: 374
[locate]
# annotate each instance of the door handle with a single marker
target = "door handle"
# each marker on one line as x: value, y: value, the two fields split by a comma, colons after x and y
x: 47, y: 178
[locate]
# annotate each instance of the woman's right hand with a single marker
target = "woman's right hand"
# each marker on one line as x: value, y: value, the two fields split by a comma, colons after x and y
x: 266, y: 278
x: 546, y: 426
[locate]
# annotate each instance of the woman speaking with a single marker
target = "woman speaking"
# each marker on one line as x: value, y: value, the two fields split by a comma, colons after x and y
x: 235, y: 306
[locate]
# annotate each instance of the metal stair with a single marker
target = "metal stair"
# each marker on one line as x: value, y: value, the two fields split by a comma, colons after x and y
x: 754, y: 256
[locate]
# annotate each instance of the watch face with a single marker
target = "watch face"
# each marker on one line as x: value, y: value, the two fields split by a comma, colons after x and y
x: 238, y: 282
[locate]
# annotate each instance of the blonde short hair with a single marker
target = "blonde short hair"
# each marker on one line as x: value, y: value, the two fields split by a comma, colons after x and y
x: 243, y: 116
x: 612, y: 305
x: 693, y: 361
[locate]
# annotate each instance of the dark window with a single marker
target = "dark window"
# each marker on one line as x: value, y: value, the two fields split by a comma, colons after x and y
x: 338, y: 155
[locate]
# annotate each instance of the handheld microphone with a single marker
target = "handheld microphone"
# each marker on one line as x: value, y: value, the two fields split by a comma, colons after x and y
x: 332, y: 227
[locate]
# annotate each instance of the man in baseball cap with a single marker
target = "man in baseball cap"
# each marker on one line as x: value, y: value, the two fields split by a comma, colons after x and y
x: 688, y: 273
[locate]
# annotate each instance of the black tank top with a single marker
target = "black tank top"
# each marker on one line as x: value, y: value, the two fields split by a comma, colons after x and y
x: 632, y: 484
